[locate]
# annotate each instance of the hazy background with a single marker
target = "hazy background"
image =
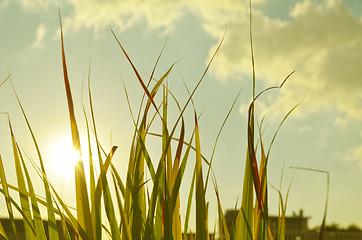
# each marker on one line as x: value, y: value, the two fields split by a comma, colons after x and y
x: 320, y: 40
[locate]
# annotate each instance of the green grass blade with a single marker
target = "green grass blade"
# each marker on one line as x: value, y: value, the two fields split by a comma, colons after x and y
x: 202, y: 232
x: 189, y: 204
x: 124, y: 221
x: 50, y: 210
x: 108, y: 204
x: 223, y: 230
x: 38, y: 222
x: 99, y: 187
x: 7, y: 198
x: 65, y: 231
x: 24, y: 200
x: 180, y: 173
x: 149, y: 228
x: 119, y: 180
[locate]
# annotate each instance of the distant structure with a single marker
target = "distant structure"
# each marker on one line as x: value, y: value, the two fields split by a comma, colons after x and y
x: 296, y: 228
x: 294, y: 223
x: 20, y: 231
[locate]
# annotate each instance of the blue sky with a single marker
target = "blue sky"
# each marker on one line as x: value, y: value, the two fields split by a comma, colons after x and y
x: 320, y: 40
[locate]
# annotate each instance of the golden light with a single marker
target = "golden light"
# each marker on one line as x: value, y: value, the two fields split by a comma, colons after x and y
x: 64, y: 157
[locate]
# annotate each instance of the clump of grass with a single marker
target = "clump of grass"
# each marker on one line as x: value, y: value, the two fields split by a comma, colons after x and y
x: 130, y: 212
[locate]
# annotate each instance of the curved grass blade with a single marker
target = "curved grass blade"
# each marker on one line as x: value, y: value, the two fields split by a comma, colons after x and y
x: 217, y: 138
x: 321, y: 233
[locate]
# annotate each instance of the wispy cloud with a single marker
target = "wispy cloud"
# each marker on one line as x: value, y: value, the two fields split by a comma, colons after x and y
x: 39, y: 36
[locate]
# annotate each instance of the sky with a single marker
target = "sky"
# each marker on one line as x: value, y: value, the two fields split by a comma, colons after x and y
x: 321, y: 40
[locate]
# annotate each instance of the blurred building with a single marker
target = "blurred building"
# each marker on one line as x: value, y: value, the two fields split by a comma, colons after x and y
x: 296, y: 228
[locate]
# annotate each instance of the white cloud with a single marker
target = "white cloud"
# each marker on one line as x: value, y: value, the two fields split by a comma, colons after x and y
x: 322, y: 42
x: 39, y: 36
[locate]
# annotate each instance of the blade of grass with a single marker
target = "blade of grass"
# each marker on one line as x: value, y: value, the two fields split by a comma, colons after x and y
x: 124, y: 221
x: 82, y: 201
x: 24, y: 200
x: 223, y: 230
x: 2, y: 233
x: 7, y: 78
x: 7, y: 199
x: 50, y: 210
x: 321, y: 233
x: 217, y: 138
x: 189, y: 204
x: 202, y: 232
x: 38, y: 223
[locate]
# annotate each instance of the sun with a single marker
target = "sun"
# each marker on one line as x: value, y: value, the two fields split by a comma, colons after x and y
x: 63, y: 156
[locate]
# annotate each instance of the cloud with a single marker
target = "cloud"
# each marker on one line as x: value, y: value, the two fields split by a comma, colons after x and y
x: 98, y: 14
x: 4, y: 4
x: 322, y: 42
x: 39, y: 36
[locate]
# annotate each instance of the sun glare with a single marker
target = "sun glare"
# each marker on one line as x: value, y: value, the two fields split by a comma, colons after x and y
x: 64, y: 156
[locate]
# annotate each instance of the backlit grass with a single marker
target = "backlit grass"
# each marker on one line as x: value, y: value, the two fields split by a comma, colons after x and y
x: 131, y: 210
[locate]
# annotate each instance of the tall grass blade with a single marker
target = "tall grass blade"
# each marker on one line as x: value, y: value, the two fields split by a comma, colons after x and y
x: 82, y: 201
x: 124, y: 221
x: 24, y: 200
x: 223, y: 230
x: 53, y: 234
x: 202, y: 232
x: 7, y: 198
x: 189, y: 204
x: 108, y: 203
x: 38, y: 222
x: 321, y: 233
x: 100, y: 187
x: 96, y: 214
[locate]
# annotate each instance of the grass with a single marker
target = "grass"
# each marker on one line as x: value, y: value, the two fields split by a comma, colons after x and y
x: 131, y: 210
